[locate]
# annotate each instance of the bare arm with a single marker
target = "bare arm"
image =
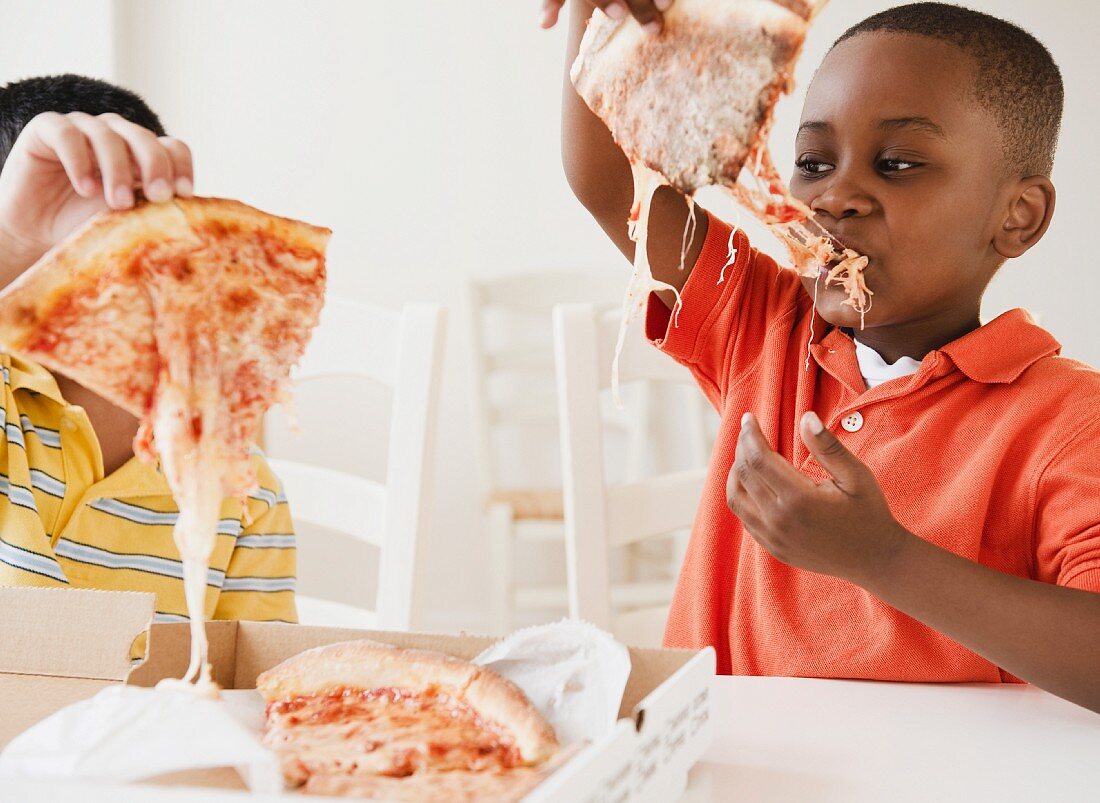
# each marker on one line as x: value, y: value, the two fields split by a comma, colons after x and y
x: 1046, y: 634
x: 599, y: 174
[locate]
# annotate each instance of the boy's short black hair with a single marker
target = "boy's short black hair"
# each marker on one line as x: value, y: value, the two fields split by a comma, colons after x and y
x: 22, y: 101
x: 1015, y: 77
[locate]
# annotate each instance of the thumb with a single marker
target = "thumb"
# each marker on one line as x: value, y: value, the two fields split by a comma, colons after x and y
x: 834, y: 457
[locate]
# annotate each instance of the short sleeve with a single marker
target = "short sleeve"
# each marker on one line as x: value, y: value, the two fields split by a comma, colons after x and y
x: 1067, y: 524
x: 729, y: 302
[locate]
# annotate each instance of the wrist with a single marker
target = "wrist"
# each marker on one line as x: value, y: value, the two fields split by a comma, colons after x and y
x: 16, y: 255
x: 886, y: 563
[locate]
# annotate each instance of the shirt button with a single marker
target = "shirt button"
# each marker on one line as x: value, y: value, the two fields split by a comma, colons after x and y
x: 852, y: 422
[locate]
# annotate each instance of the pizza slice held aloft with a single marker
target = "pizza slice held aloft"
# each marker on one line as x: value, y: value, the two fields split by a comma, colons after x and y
x: 365, y: 719
x: 199, y: 292
x: 190, y: 315
x: 692, y: 102
x: 692, y: 107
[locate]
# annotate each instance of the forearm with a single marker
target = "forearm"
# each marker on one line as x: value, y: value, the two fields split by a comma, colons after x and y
x: 1045, y: 634
x: 600, y: 176
x: 15, y: 257
x: 596, y: 168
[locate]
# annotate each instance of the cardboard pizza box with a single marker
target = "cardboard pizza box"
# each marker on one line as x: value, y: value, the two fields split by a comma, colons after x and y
x: 58, y: 646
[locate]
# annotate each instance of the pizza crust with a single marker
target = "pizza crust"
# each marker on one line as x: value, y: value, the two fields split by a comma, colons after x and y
x: 372, y: 665
x: 225, y: 213
x: 363, y: 665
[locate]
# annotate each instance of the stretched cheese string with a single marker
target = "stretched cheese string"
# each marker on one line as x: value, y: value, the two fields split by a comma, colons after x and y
x: 810, y: 342
x: 185, y: 427
x: 193, y: 444
x: 689, y: 230
x: 731, y: 256
x: 642, y: 283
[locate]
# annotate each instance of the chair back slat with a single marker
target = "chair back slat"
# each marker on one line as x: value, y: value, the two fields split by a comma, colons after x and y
x: 403, y: 351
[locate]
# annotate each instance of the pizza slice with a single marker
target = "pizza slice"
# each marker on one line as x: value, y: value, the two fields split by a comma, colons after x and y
x: 692, y: 107
x: 690, y: 103
x: 365, y: 719
x: 188, y: 314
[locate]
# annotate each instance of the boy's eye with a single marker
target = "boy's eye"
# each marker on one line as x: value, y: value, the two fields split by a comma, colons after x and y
x: 896, y: 165
x: 812, y: 167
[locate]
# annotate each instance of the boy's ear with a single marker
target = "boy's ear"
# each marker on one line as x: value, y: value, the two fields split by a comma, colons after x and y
x: 1030, y: 207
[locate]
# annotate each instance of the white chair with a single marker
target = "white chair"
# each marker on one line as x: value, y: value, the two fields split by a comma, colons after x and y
x: 514, y: 398
x: 600, y: 517
x: 402, y: 351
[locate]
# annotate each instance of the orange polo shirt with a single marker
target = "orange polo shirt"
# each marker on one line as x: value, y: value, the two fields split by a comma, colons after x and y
x: 991, y: 450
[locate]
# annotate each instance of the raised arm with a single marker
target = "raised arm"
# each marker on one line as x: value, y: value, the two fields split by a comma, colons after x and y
x: 599, y: 173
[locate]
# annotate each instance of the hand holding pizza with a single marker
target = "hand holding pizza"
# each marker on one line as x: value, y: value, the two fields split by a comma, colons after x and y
x: 841, y: 527
x: 64, y: 168
x: 647, y: 12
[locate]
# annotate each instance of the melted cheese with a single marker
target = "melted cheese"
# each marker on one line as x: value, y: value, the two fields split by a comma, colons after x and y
x: 229, y: 321
x: 642, y: 283
x: 761, y: 191
x: 389, y: 732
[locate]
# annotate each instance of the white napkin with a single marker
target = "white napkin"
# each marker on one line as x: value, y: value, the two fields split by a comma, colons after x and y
x: 126, y: 733
x: 573, y: 672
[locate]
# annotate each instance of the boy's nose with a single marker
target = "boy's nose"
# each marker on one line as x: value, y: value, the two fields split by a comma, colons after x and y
x: 842, y: 199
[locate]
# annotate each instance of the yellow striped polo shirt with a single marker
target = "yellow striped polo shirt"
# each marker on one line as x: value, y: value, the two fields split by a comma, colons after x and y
x: 63, y: 523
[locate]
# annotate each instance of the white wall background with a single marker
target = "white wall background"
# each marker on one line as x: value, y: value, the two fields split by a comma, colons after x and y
x: 426, y: 136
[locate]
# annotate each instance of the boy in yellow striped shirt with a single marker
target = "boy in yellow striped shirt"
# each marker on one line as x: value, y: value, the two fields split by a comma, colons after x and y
x: 76, y: 507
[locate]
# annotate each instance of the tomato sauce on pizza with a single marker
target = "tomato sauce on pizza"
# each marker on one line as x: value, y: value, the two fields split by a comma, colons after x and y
x: 370, y: 720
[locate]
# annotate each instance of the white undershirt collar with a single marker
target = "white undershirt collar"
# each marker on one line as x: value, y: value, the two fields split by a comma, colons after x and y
x: 876, y: 370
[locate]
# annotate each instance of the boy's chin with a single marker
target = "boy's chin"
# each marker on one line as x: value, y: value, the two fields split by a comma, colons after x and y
x: 832, y: 306
x: 843, y: 316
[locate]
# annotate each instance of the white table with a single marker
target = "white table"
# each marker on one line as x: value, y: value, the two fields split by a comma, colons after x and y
x: 816, y: 741
x: 819, y: 741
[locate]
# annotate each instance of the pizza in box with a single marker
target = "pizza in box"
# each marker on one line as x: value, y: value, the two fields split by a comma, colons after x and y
x: 363, y: 719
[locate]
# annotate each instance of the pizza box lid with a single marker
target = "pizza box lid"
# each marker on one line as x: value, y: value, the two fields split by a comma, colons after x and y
x: 64, y: 645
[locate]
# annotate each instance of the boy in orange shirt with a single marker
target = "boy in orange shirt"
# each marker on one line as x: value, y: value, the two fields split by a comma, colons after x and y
x: 941, y: 519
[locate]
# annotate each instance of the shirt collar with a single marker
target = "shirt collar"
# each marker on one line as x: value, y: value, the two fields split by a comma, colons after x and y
x: 134, y: 478
x: 995, y: 353
x: 999, y: 351
x: 21, y: 373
